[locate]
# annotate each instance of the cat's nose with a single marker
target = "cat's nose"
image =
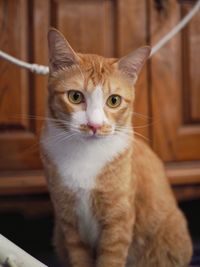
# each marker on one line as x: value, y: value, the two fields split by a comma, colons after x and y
x: 94, y: 127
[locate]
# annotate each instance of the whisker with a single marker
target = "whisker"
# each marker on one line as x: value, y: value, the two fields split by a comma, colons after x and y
x: 140, y: 115
x: 145, y: 138
x: 66, y: 138
x: 137, y: 126
x: 124, y: 129
x: 66, y: 122
x: 37, y: 117
x: 138, y: 134
x: 56, y: 136
x: 63, y: 138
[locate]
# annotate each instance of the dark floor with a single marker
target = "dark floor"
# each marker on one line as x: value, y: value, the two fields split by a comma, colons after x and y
x: 192, y: 213
x: 34, y: 235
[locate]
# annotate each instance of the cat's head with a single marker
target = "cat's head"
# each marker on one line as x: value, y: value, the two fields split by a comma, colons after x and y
x: 89, y: 95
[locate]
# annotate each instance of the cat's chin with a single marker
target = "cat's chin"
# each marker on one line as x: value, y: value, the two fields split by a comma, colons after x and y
x: 95, y: 137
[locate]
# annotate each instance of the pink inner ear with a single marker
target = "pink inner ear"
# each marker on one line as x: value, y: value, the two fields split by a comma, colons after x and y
x: 133, y: 62
x: 60, y: 51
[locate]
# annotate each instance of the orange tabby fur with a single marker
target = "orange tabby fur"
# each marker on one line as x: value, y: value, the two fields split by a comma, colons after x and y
x: 141, y: 225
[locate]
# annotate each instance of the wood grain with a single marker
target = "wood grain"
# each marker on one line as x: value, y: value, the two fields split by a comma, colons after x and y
x: 183, y: 173
x: 40, y: 55
x: 175, y: 138
x: 132, y: 32
x: 21, y: 93
x: 13, y: 81
x: 22, y: 183
x: 87, y: 25
x: 191, y: 59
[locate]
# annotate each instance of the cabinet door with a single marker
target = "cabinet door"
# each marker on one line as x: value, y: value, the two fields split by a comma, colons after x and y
x: 175, y: 87
x: 23, y: 29
x: 21, y: 99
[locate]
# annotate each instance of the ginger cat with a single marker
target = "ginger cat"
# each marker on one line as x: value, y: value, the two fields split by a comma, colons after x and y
x: 113, y: 204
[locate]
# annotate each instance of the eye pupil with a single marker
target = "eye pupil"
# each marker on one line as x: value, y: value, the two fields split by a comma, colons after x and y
x: 114, y: 100
x: 76, y: 96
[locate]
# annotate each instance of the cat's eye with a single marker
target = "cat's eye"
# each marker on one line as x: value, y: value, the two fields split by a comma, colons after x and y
x: 75, y: 97
x: 114, y: 101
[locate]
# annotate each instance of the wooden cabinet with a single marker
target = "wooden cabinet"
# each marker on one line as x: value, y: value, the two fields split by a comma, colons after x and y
x: 175, y: 91
x: 167, y: 107
x: 22, y: 95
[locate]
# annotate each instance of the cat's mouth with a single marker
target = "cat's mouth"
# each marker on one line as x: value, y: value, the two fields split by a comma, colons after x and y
x: 95, y: 136
x: 101, y: 132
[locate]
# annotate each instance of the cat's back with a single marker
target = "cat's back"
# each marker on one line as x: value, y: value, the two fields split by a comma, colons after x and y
x: 157, y: 213
x: 153, y: 192
x: 154, y: 199
x: 149, y: 168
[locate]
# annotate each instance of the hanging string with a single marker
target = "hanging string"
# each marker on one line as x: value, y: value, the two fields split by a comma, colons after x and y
x: 40, y: 69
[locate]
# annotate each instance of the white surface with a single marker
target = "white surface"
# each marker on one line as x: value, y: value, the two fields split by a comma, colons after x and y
x: 10, y: 252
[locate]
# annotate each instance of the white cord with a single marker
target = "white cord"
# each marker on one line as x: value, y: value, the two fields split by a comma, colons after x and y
x: 176, y: 29
x: 40, y: 69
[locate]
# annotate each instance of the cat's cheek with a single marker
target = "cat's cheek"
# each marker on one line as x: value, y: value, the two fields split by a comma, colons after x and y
x: 112, y: 126
x: 79, y: 118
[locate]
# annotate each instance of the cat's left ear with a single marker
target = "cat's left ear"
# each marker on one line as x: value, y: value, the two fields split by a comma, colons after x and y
x: 132, y: 64
x: 61, y: 54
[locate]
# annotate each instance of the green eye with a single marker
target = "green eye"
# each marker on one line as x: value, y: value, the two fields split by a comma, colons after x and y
x: 114, y: 101
x: 75, y: 97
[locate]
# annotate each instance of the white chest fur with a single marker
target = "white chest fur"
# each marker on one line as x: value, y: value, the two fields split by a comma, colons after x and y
x: 88, y: 226
x: 78, y: 163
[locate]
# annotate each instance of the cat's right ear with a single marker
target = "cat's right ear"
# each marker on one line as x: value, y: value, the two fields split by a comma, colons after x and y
x: 132, y: 64
x: 61, y: 55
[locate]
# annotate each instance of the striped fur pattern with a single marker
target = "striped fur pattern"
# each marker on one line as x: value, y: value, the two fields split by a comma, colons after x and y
x: 113, y: 204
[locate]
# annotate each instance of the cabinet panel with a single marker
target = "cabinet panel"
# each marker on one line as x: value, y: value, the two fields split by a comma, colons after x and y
x: 174, y: 83
x: 14, y: 81
x: 88, y: 25
x: 132, y: 33
x: 20, y: 99
x: 190, y: 60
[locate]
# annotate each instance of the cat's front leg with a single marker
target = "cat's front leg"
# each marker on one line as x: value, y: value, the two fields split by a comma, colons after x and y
x: 79, y: 254
x: 115, y: 240
x: 68, y: 236
x: 114, y: 244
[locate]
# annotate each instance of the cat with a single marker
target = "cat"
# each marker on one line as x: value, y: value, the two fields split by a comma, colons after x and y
x: 113, y: 204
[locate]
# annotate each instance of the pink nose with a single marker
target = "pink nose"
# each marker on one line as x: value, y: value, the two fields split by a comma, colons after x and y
x: 94, y: 127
